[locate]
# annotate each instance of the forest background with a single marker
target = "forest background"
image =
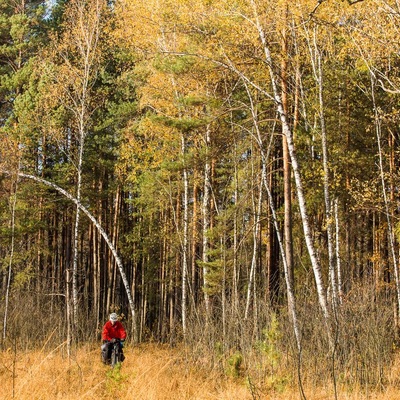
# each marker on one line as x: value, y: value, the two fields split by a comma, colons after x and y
x: 223, y: 174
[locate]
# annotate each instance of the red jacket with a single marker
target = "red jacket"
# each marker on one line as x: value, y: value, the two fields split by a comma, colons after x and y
x: 115, y: 331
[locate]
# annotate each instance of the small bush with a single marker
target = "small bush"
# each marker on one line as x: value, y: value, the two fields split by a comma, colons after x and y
x: 233, y: 365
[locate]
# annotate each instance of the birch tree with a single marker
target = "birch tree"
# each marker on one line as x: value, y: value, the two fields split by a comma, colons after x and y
x: 76, y: 55
x: 287, y: 174
x: 251, y: 286
x: 206, y: 217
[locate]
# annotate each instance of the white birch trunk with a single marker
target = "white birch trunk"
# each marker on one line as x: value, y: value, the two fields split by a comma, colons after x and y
x: 287, y: 184
x: 96, y: 275
x: 338, y: 257
x: 75, y: 299
x: 185, y: 239
x: 206, y: 219
x: 256, y: 230
x: 223, y: 288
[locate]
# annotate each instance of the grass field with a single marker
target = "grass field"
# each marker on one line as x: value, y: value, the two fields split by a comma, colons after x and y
x: 149, y: 372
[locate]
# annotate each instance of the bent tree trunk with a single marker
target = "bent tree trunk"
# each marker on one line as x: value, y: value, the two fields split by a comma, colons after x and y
x: 103, y: 234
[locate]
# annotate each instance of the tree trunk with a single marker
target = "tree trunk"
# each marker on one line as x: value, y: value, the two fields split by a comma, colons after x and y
x: 235, y: 272
x: 13, y: 199
x: 185, y: 239
x: 287, y: 183
x: 316, y: 60
x: 194, y: 241
x: 337, y: 247
x: 256, y: 228
x: 206, y: 219
x: 75, y: 251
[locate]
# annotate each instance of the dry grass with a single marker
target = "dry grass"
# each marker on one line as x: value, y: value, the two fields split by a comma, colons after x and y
x: 149, y: 372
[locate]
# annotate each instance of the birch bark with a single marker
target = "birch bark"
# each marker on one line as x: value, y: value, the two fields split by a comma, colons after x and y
x: 206, y: 218
x: 287, y: 190
x: 185, y: 237
x: 256, y: 230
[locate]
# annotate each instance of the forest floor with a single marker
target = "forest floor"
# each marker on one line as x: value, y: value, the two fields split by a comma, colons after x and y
x: 150, y: 372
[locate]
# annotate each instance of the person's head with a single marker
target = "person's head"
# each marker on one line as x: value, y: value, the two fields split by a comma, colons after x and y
x: 113, y: 318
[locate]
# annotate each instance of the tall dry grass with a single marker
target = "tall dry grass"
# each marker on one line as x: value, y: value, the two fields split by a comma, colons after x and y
x: 150, y: 372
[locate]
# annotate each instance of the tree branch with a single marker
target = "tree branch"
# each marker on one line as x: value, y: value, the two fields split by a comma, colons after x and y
x: 351, y: 2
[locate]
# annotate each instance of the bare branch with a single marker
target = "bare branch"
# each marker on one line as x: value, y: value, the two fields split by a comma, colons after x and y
x: 351, y: 2
x: 316, y: 6
x: 387, y: 90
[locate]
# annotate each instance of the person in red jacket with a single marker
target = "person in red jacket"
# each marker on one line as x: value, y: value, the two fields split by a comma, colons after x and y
x: 112, y: 330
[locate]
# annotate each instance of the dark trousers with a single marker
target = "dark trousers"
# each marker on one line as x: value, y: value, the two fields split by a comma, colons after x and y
x: 106, y: 352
